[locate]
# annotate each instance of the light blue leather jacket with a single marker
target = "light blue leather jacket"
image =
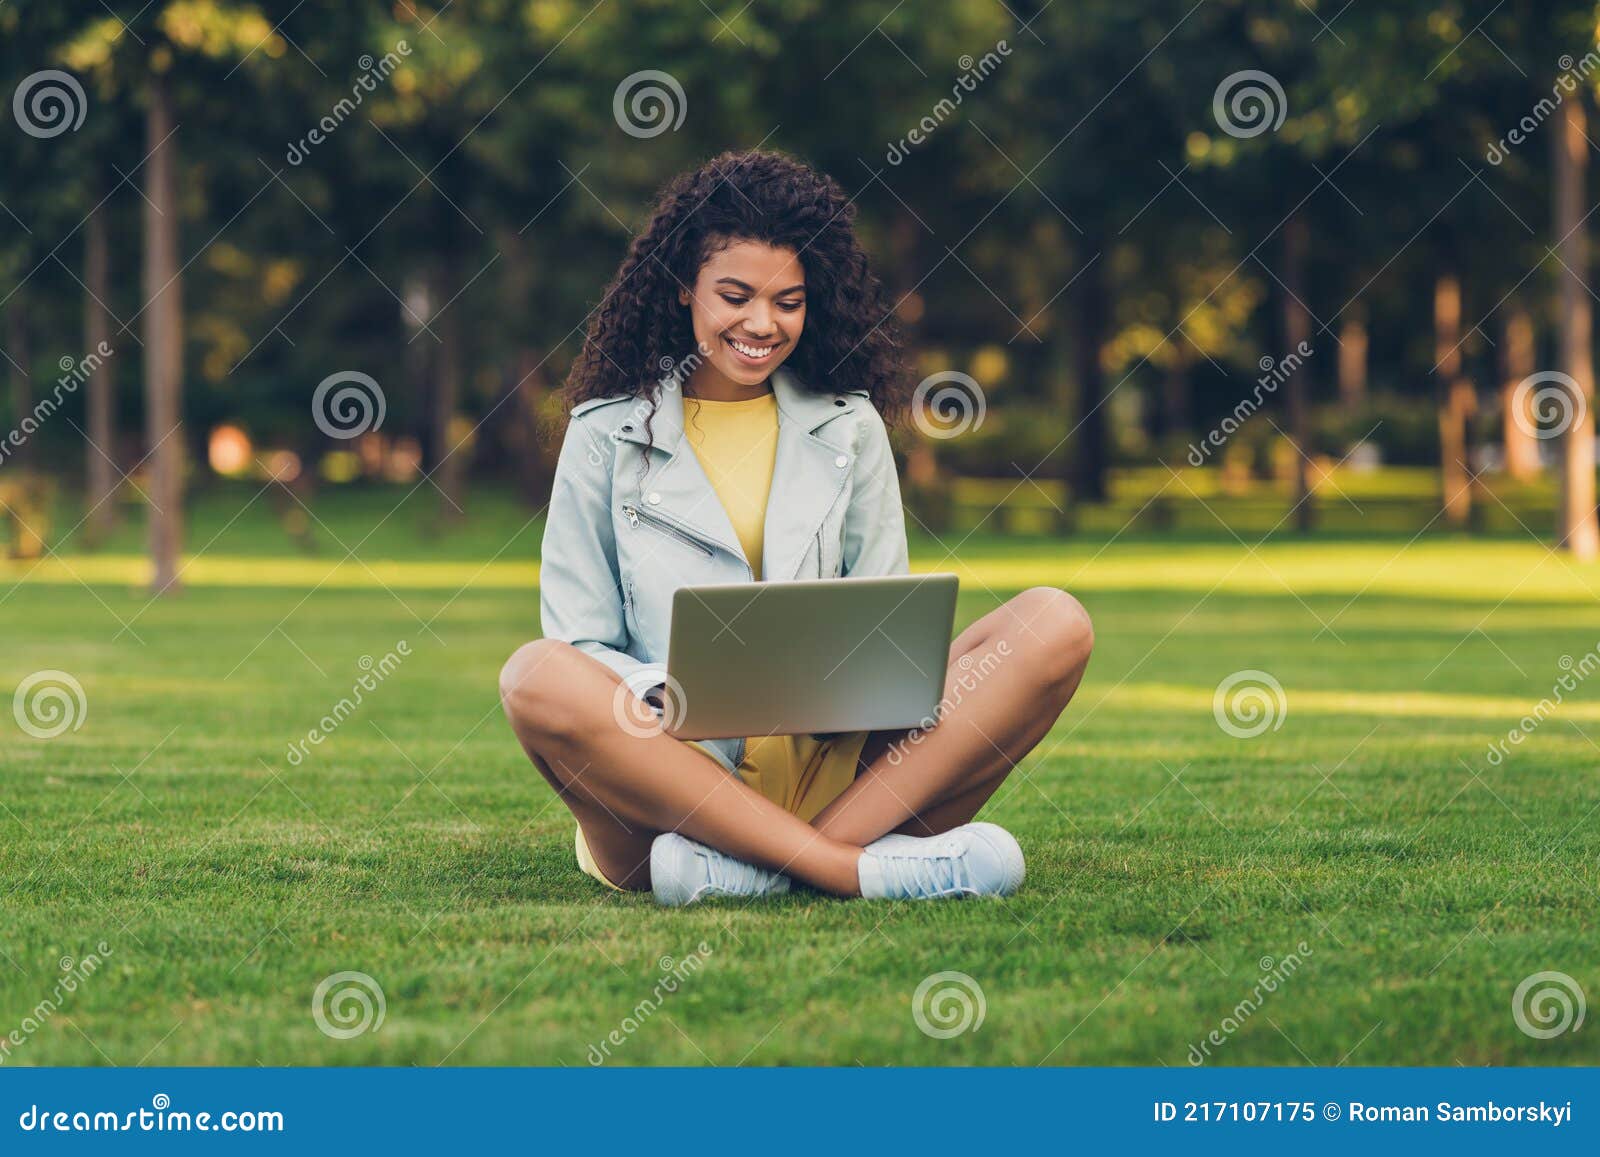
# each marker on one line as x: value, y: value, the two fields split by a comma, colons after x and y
x: 628, y: 526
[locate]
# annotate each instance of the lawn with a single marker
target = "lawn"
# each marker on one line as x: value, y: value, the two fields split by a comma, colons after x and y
x: 1369, y: 837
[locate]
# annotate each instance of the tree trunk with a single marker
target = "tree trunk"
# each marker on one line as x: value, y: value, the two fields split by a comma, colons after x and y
x: 451, y: 469
x: 19, y: 353
x: 535, y: 473
x: 1517, y: 417
x: 1091, y: 456
x: 1576, y: 526
x: 1297, y: 334
x: 1353, y: 358
x: 163, y: 340
x: 928, y: 495
x: 1455, y: 401
x: 520, y: 429
x: 1174, y: 417
x: 415, y: 314
x: 101, y: 398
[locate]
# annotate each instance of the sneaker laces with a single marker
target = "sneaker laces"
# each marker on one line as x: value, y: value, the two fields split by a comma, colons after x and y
x: 939, y: 874
x: 725, y: 873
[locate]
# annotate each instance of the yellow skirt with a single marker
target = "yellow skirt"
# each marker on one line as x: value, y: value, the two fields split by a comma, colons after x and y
x: 800, y: 773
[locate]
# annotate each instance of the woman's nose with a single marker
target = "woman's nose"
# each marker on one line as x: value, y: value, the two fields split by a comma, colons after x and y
x: 759, y: 320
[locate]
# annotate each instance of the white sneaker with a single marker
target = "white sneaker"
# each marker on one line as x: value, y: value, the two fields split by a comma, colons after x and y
x: 972, y: 860
x: 684, y: 872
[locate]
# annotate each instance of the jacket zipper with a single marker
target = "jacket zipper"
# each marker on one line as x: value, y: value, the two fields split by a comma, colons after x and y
x: 634, y: 515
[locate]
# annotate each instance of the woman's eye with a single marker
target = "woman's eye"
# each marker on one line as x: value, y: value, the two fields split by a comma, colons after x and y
x: 791, y: 306
x: 732, y: 300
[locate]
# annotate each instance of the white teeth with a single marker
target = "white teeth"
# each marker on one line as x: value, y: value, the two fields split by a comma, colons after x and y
x: 751, y: 351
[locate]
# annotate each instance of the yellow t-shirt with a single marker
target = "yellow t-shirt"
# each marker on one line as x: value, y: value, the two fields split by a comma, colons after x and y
x: 737, y: 444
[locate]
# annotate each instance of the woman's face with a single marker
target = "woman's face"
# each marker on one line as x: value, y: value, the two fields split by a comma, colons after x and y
x: 748, y: 307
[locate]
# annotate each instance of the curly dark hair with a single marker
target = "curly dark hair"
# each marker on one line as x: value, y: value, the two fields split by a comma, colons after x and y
x: 850, y: 341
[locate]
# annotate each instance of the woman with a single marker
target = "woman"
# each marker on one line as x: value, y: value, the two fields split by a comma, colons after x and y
x: 761, y: 454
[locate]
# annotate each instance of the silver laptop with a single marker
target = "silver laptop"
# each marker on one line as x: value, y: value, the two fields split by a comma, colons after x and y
x: 818, y: 655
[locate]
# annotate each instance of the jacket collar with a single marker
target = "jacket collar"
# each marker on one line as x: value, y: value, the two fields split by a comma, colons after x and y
x: 805, y: 408
x: 806, y: 479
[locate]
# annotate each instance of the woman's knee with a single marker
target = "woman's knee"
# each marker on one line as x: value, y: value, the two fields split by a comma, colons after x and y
x: 536, y: 688
x: 1060, y: 629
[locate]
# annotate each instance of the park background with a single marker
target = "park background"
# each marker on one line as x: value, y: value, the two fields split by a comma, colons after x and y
x: 1263, y: 326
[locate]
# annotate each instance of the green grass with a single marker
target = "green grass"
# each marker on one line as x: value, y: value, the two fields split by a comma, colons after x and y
x: 1166, y: 857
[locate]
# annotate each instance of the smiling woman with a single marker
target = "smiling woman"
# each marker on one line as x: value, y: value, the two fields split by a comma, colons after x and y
x: 751, y: 261
x: 748, y: 307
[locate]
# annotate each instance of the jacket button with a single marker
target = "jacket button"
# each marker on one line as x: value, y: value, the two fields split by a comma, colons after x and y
x: 840, y: 402
x: 654, y: 499
x: 628, y: 429
x: 841, y: 461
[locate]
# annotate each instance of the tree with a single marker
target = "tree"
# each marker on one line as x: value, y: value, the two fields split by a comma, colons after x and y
x: 1576, y: 527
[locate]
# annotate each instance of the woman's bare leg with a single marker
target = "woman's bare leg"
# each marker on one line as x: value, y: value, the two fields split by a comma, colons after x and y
x: 1011, y: 674
x: 625, y: 790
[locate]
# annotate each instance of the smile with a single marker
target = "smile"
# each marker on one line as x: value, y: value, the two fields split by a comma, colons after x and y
x: 755, y: 353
